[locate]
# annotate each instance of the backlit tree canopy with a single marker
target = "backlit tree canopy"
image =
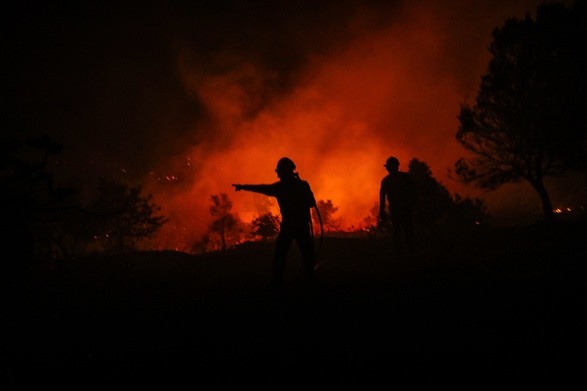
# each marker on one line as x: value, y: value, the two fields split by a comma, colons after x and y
x: 528, y: 120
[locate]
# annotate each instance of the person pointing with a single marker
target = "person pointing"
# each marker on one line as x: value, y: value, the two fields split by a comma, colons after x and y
x: 295, y: 199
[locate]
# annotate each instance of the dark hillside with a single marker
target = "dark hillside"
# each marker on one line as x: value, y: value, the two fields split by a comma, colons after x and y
x: 478, y: 309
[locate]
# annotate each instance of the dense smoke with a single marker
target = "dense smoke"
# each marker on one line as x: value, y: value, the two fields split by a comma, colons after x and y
x: 382, y: 89
x: 189, y: 97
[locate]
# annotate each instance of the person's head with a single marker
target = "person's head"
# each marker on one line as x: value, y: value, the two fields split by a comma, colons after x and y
x: 285, y: 168
x: 392, y: 164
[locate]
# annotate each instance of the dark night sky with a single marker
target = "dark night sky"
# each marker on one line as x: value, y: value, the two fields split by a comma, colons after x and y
x: 104, y: 78
x: 220, y: 89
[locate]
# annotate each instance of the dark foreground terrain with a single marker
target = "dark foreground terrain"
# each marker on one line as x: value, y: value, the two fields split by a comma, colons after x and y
x: 483, y: 310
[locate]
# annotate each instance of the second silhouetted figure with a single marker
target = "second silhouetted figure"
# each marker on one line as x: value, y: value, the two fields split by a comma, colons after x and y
x: 398, y: 190
x: 295, y: 199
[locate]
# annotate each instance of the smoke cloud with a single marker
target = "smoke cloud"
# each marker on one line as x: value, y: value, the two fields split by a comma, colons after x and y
x: 390, y: 90
x: 190, y: 97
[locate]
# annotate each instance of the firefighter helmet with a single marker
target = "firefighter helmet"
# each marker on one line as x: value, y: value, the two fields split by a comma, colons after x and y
x: 285, y: 164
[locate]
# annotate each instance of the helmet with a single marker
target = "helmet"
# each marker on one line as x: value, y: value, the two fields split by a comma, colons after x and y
x: 392, y: 161
x: 285, y: 164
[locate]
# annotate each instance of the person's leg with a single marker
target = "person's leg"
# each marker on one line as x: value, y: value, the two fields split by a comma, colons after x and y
x: 397, y: 232
x: 282, y: 245
x: 306, y: 244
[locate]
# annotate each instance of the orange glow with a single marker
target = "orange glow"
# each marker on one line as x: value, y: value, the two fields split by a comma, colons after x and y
x: 387, y: 93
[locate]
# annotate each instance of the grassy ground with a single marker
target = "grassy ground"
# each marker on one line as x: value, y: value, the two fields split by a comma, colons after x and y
x: 479, y: 309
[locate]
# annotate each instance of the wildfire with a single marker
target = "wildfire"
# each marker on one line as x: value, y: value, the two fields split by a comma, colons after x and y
x: 569, y: 210
x: 345, y: 113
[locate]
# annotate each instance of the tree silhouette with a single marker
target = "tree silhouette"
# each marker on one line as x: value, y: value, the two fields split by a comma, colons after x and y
x: 434, y: 200
x: 327, y: 211
x: 438, y: 206
x: 265, y: 226
x: 139, y: 220
x: 224, y: 221
x: 202, y: 245
x: 30, y: 200
x: 528, y: 120
x: 116, y: 218
x: 43, y: 219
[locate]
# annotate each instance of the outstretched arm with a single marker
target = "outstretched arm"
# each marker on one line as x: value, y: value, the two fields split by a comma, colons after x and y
x: 263, y: 189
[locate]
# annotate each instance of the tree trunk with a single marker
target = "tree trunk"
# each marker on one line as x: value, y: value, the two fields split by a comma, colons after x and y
x: 222, y: 237
x: 547, y: 210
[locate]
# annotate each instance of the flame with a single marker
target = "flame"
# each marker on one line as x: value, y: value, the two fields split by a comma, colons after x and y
x: 381, y: 95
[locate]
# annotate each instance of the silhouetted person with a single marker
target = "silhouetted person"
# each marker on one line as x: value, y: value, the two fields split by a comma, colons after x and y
x: 295, y: 199
x: 397, y: 189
